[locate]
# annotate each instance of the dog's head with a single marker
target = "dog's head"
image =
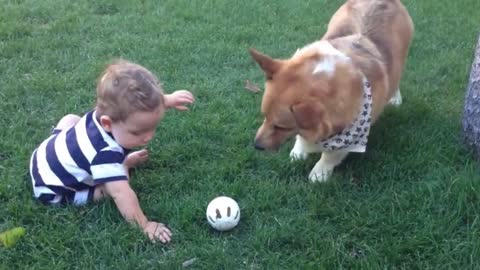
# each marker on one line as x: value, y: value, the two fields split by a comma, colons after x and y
x: 316, y: 93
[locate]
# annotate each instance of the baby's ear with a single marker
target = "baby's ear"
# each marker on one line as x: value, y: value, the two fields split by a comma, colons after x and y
x: 106, y: 123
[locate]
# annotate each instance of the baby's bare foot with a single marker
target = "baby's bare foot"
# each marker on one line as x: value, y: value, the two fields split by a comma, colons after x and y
x: 136, y: 158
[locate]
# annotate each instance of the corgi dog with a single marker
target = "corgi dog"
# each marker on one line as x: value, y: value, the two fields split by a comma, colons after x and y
x: 330, y: 92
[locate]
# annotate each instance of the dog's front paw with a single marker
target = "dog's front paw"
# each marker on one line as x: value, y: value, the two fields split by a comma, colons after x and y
x: 320, y: 173
x: 298, y: 154
x: 396, y: 100
x: 298, y: 151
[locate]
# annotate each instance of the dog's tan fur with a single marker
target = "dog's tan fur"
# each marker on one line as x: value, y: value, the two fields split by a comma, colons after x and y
x: 370, y: 38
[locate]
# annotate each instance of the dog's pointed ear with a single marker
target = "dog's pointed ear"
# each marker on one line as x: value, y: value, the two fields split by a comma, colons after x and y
x: 269, y: 65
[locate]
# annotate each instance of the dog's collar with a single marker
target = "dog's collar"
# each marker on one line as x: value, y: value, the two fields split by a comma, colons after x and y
x: 354, y: 137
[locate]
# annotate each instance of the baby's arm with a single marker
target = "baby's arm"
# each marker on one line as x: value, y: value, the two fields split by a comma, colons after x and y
x: 178, y: 100
x: 128, y: 205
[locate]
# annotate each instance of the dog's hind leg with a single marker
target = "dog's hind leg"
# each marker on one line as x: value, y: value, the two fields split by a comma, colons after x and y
x: 324, y: 167
x: 302, y: 148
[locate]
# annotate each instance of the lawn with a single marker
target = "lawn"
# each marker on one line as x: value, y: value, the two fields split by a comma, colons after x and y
x: 411, y: 202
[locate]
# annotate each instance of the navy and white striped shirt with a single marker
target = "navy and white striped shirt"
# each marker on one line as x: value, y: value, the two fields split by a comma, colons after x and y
x: 77, y: 159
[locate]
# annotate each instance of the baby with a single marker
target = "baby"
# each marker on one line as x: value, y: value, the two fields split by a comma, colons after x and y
x: 89, y: 158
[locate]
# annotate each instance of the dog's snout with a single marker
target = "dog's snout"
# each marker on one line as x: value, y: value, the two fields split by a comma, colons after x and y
x: 259, y: 146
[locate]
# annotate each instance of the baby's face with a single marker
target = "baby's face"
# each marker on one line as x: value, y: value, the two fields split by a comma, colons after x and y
x: 138, y: 129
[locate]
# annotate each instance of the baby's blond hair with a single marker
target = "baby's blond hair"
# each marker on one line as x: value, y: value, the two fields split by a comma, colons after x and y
x: 125, y: 88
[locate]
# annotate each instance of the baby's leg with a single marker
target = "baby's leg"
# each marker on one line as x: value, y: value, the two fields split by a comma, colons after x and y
x: 100, y: 193
x: 67, y: 121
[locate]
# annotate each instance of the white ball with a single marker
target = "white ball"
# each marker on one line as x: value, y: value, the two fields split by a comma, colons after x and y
x: 223, y: 213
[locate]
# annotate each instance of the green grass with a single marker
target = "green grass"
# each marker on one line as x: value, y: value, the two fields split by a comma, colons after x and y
x: 411, y: 202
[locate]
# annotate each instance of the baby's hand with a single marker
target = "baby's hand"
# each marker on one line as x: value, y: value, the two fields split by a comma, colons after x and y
x: 157, y: 231
x: 179, y: 99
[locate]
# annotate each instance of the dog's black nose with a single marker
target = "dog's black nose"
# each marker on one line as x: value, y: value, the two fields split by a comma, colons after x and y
x: 258, y: 146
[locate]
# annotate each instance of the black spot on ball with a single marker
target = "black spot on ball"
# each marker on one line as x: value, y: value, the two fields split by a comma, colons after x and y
x: 211, y: 219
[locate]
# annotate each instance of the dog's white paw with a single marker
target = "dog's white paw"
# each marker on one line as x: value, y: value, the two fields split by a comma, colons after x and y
x: 320, y: 173
x: 324, y: 167
x: 299, y: 150
x: 298, y: 154
x: 396, y: 100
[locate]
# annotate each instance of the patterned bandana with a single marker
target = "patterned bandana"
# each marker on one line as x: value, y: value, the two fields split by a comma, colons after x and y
x: 354, y: 137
